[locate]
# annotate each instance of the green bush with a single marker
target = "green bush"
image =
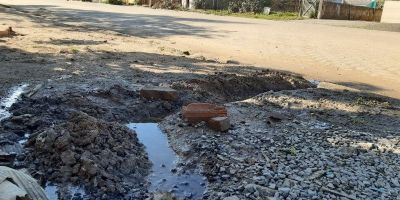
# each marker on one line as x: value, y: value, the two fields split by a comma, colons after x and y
x: 167, y: 4
x: 115, y: 2
x: 246, y: 6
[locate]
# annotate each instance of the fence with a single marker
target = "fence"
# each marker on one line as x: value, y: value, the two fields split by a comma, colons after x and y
x: 331, y: 10
x: 285, y: 5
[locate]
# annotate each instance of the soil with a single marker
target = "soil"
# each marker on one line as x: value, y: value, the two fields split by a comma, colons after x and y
x: 231, y: 87
x: 84, y: 87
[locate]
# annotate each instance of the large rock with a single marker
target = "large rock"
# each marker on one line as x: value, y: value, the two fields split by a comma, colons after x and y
x: 197, y: 112
x: 154, y: 92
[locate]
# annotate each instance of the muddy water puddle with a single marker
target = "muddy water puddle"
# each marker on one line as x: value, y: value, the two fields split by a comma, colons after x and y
x: 163, y: 177
x: 6, y: 103
x: 52, y: 191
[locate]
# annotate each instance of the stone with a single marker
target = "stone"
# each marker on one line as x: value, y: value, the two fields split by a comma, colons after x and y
x: 231, y: 198
x: 198, y: 112
x: 219, y: 123
x: 285, y: 191
x: 330, y: 185
x: 317, y: 174
x: 330, y: 175
x: 395, y: 182
x: 155, y: 92
x: 275, y: 117
x: 261, y: 190
x: 68, y: 157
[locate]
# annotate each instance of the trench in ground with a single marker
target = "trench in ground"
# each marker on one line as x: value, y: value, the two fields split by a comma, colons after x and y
x: 163, y: 177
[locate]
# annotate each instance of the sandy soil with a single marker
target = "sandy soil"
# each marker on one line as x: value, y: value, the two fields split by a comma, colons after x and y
x: 330, y: 51
x: 84, y: 82
x: 89, y: 80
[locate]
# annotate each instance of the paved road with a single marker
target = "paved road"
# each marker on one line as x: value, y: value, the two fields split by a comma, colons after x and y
x: 359, y: 58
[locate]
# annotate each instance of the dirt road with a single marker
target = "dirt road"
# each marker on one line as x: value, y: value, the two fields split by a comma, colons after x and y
x: 68, y: 92
x: 364, y: 59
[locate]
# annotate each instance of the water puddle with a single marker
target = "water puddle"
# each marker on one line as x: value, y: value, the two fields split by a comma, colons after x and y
x: 24, y: 139
x: 162, y: 177
x: 7, y: 102
x: 315, y: 82
x: 51, y: 191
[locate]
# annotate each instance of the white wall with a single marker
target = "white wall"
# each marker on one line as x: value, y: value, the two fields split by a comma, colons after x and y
x: 391, y: 12
x: 358, y: 2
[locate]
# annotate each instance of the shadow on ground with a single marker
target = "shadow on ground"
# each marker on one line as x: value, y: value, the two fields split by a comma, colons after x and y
x: 140, y: 25
x: 360, y: 86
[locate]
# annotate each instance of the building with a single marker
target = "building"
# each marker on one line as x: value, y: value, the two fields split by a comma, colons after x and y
x: 391, y: 12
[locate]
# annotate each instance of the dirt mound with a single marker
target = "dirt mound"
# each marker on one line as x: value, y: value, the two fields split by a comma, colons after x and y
x: 106, y: 157
x: 232, y: 87
x: 111, y: 103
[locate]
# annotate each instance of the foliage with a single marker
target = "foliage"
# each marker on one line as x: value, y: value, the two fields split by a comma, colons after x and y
x: 244, y: 6
x: 167, y: 4
x: 235, y: 6
x: 380, y: 3
x: 115, y: 2
x: 136, y: 2
x: 285, y: 5
x: 271, y: 16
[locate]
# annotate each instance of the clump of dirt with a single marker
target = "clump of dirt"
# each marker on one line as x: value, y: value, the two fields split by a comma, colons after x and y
x: 105, y: 157
x: 231, y: 87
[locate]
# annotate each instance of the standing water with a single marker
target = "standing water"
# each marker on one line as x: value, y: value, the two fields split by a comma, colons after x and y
x: 162, y: 177
x: 7, y: 102
x: 52, y: 190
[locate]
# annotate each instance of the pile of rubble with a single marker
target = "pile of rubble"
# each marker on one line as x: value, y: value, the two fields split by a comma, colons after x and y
x: 106, y: 157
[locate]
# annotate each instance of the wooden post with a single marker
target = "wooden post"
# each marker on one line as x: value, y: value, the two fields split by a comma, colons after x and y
x: 320, y: 9
x: 301, y: 8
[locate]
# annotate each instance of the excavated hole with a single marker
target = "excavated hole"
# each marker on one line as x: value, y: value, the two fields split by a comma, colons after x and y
x: 58, y: 112
x: 163, y: 176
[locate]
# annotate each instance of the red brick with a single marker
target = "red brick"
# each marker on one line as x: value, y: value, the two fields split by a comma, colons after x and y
x: 197, y: 112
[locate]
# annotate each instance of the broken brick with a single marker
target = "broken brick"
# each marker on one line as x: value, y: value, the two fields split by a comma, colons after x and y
x: 154, y: 92
x: 7, y: 33
x: 197, y: 112
x: 219, y: 123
